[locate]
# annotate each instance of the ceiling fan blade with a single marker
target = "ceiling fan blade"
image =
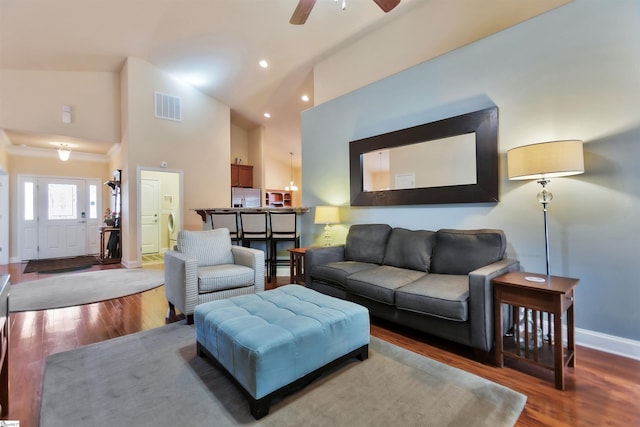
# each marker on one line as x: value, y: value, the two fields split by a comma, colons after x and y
x: 387, y: 5
x: 303, y: 9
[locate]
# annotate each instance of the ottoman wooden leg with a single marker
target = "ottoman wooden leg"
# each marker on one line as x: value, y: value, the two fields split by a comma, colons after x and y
x: 259, y: 408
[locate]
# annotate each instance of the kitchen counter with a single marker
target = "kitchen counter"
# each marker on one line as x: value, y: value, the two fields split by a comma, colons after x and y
x: 204, y: 212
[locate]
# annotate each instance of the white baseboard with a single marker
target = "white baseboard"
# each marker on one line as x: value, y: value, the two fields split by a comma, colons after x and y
x: 608, y: 343
x: 603, y: 342
x: 131, y: 264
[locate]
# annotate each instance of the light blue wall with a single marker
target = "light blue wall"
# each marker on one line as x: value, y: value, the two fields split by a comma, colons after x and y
x: 573, y: 73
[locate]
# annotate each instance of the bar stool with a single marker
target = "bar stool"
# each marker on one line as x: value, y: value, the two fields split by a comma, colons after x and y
x: 227, y: 220
x: 283, y: 229
x: 255, y: 229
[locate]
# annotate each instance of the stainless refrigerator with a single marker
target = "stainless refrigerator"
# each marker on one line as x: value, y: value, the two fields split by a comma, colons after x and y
x: 245, y: 197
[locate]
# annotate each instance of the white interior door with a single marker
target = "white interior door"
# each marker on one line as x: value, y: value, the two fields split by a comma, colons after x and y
x: 62, y: 218
x: 149, y: 215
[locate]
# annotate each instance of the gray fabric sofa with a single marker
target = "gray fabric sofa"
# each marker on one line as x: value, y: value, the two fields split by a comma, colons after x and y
x: 435, y: 282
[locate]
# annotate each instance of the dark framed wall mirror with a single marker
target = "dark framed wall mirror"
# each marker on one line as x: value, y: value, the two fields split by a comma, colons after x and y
x: 454, y: 160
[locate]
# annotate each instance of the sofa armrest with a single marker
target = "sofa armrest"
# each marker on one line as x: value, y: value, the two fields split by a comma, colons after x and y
x: 322, y: 255
x: 481, y: 301
x: 252, y: 258
x: 181, y: 281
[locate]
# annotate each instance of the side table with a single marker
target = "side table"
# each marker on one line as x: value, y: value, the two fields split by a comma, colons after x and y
x: 109, y: 251
x: 296, y: 265
x: 551, y: 296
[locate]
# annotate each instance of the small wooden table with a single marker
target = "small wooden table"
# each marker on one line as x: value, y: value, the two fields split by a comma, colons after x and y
x: 109, y: 255
x: 296, y: 265
x: 552, y: 296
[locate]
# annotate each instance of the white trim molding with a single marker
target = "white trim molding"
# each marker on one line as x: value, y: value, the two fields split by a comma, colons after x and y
x: 608, y: 343
x: 53, y: 154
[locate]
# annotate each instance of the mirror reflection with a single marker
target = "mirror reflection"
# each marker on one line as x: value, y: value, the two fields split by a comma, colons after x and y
x: 422, y: 165
x: 453, y: 160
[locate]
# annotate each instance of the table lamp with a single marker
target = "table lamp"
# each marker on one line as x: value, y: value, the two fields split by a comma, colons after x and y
x: 543, y: 161
x: 327, y: 215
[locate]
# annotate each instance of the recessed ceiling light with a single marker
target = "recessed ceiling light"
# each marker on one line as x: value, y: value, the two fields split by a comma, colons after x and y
x: 305, y: 98
x: 263, y: 63
x: 267, y: 115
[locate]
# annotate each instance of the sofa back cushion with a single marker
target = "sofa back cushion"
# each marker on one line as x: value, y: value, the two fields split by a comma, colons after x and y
x: 410, y: 249
x: 462, y: 251
x: 209, y: 247
x: 367, y: 242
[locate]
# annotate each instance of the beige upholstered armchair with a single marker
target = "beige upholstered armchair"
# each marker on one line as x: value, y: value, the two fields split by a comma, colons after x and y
x: 205, y: 267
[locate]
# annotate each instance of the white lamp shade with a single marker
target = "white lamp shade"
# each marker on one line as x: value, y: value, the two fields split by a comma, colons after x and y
x: 545, y: 160
x: 327, y: 215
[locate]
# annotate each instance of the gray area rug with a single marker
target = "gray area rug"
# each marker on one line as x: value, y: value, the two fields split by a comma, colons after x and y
x: 155, y: 378
x: 82, y: 288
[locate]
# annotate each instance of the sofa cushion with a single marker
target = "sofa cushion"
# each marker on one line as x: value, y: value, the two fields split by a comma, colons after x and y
x: 336, y: 272
x: 380, y: 283
x: 209, y: 247
x: 221, y: 277
x: 410, y: 249
x: 440, y: 295
x: 367, y: 242
x: 462, y: 251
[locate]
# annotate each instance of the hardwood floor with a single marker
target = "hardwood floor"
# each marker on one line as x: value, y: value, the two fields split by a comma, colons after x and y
x: 602, y: 390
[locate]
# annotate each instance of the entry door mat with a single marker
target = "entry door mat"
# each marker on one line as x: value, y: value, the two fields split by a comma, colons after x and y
x: 60, y: 265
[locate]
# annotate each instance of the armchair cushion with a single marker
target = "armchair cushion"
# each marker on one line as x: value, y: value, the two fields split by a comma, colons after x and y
x: 221, y: 277
x: 210, y: 247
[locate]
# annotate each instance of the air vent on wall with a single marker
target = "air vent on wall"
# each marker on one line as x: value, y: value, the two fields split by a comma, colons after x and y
x: 168, y: 107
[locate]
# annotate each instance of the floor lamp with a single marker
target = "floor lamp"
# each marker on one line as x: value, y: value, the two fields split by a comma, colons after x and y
x: 327, y: 215
x: 544, y: 161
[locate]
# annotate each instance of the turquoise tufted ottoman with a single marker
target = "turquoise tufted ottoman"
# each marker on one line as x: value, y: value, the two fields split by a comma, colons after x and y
x: 273, y: 341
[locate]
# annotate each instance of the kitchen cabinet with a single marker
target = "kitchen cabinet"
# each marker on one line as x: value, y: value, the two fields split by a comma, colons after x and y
x: 277, y: 198
x: 241, y: 175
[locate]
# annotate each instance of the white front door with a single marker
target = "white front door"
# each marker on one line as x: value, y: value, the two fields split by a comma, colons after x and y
x: 62, y: 218
x: 149, y: 215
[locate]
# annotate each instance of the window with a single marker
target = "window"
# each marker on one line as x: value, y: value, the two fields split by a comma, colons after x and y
x: 93, y: 201
x: 63, y: 201
x: 29, y: 211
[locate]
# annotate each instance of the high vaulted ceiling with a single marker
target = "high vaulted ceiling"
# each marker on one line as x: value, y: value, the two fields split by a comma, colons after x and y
x: 216, y: 44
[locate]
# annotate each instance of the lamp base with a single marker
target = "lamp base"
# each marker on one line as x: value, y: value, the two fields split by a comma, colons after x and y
x: 326, y: 236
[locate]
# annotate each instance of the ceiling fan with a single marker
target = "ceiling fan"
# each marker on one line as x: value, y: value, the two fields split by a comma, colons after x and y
x: 304, y: 7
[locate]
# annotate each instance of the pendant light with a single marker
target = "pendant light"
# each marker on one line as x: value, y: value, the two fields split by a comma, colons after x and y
x: 64, y: 152
x: 291, y: 186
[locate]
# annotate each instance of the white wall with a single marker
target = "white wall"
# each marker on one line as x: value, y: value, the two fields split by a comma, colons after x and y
x: 239, y: 144
x: 199, y: 145
x: 572, y: 73
x: 32, y: 101
x: 408, y: 40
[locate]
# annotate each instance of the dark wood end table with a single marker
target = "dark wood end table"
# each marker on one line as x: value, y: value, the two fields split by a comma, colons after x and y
x: 551, y: 296
x: 296, y: 265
